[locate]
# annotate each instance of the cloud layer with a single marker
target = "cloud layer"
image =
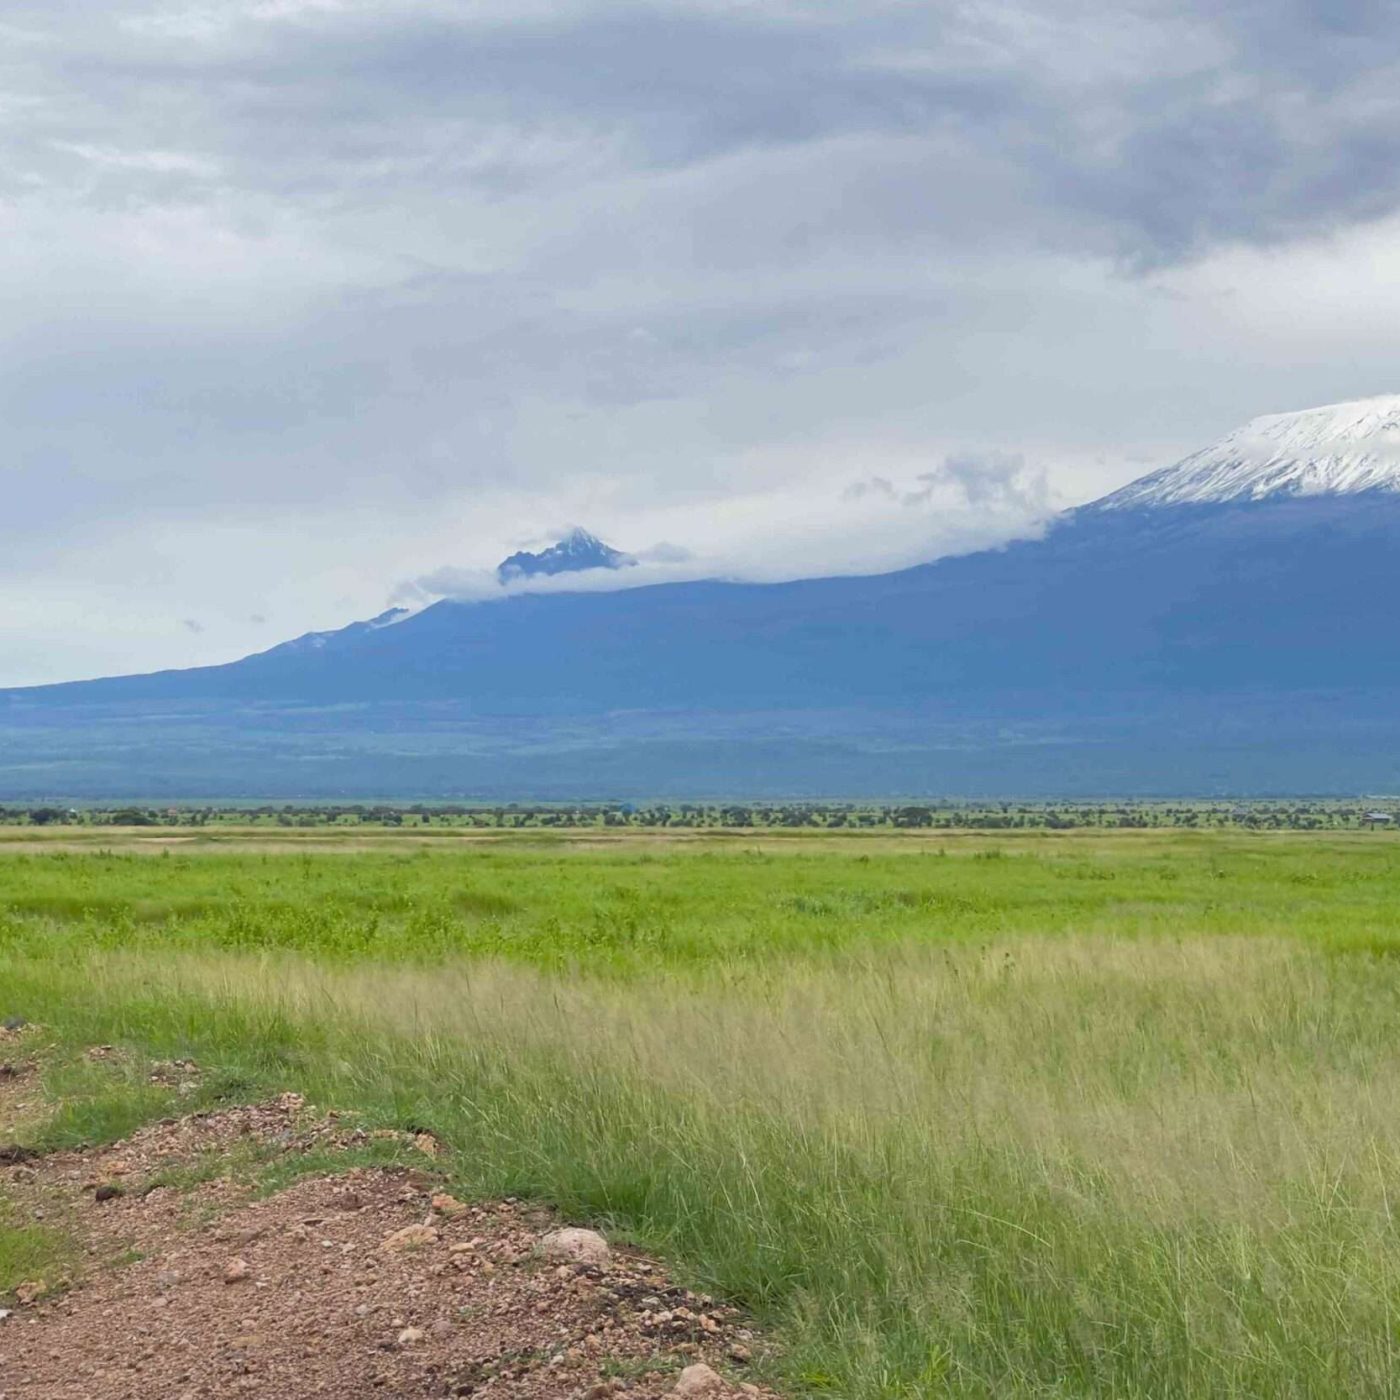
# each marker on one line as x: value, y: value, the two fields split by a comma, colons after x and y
x: 304, y: 300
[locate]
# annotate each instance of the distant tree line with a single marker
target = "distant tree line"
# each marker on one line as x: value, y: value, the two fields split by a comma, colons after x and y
x: 1273, y: 815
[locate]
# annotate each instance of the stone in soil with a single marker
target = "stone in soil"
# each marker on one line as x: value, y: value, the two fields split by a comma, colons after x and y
x: 575, y: 1246
x: 699, y: 1380
x: 411, y: 1237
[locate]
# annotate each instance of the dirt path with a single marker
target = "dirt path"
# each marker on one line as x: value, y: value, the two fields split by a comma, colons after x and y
x: 367, y: 1283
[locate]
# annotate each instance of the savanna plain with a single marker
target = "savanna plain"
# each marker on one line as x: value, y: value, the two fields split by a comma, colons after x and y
x: 1021, y: 1114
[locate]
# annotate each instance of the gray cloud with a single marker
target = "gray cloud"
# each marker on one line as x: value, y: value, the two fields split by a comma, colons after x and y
x: 311, y: 291
x: 1157, y: 127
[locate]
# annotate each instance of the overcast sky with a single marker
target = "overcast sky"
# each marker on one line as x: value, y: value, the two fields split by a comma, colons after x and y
x: 307, y: 306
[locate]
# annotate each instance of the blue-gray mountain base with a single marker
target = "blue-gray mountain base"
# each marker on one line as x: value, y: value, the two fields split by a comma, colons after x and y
x: 1162, y: 642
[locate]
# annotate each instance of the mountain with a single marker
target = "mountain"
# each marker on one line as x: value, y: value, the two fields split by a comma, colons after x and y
x: 318, y: 641
x: 1341, y: 449
x: 1225, y: 625
x: 578, y: 550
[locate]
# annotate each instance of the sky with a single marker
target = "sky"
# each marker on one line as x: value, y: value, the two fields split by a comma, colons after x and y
x: 313, y: 306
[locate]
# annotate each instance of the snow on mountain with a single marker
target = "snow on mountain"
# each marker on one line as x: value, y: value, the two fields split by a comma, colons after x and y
x: 576, y: 551
x: 318, y: 641
x: 1340, y: 449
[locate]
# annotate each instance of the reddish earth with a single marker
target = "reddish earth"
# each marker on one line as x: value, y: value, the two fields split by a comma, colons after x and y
x: 364, y: 1283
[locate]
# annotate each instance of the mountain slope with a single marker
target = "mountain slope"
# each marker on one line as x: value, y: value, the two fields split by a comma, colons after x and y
x: 1284, y: 593
x: 1225, y: 628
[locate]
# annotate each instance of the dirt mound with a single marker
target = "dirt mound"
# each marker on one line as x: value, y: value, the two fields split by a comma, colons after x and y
x: 365, y: 1283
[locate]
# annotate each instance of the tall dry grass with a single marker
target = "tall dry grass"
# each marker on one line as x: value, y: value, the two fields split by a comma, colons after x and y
x: 1079, y: 1166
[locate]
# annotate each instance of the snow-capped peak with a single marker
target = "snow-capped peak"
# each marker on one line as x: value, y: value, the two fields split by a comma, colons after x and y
x: 1340, y: 449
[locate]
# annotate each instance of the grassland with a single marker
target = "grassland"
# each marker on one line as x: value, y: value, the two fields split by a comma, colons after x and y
x: 1044, y: 1114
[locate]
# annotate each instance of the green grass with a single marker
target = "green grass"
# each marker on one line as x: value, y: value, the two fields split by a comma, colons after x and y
x: 30, y: 1253
x: 1038, y: 1116
x: 642, y: 907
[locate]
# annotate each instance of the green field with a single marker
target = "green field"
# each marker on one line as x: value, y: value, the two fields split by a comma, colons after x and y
x: 1026, y: 1114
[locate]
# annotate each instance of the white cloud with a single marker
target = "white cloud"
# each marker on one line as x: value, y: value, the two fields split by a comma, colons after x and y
x: 305, y: 298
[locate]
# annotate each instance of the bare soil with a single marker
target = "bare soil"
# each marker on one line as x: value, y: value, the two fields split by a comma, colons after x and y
x: 211, y: 1289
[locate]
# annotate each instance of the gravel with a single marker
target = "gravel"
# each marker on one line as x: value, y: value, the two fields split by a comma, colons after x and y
x: 353, y: 1285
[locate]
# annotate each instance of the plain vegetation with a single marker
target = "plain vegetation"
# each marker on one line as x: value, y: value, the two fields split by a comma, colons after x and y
x: 718, y: 818
x: 1038, y: 1114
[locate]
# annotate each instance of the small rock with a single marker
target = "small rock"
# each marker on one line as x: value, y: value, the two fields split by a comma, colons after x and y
x: 427, y: 1144
x: 576, y: 1247
x: 410, y: 1237
x: 237, y: 1271
x: 410, y: 1335
x: 740, y: 1353
x: 30, y: 1292
x: 699, y: 1380
x: 447, y: 1205
x: 8, y: 1071
x: 4, y: 1313
x: 107, y: 1192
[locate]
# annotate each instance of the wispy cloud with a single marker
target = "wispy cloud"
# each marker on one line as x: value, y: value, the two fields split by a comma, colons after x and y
x: 991, y: 481
x: 972, y: 501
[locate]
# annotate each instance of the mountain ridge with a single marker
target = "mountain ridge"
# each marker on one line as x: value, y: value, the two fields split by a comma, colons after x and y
x: 576, y: 552
x: 1240, y: 644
